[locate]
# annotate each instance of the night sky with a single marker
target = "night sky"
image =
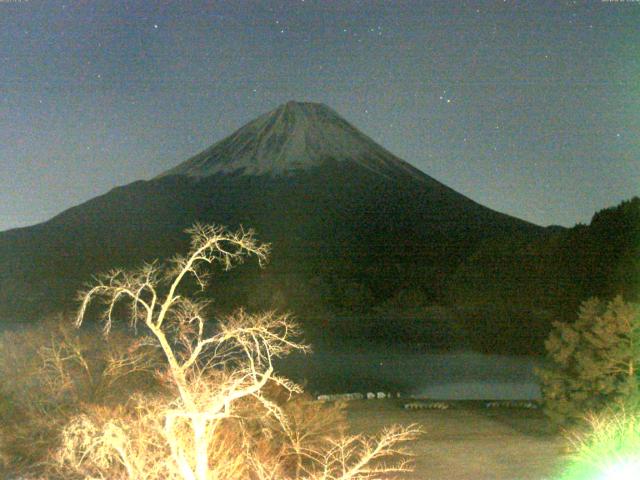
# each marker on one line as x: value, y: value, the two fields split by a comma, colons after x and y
x: 530, y: 108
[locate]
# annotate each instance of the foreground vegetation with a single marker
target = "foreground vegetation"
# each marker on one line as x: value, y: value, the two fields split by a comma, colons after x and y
x: 609, y: 448
x: 591, y: 389
x: 183, y: 400
x: 167, y: 394
x: 594, y: 361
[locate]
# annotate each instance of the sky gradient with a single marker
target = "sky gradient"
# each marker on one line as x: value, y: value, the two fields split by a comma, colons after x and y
x: 530, y: 108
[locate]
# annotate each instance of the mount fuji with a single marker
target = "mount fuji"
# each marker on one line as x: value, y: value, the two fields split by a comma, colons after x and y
x: 293, y: 137
x: 346, y: 218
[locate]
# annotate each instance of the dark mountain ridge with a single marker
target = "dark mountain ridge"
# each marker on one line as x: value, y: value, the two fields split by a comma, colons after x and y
x: 556, y: 272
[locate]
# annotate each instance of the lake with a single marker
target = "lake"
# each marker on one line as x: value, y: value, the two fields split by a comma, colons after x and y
x: 461, y: 375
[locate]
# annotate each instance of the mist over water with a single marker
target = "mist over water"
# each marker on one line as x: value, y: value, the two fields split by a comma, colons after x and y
x: 346, y: 367
x: 442, y: 376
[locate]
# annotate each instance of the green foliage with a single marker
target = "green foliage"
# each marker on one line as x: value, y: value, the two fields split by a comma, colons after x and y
x: 610, y: 448
x: 594, y: 360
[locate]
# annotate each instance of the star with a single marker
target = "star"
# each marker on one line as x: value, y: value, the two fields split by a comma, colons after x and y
x: 155, y: 26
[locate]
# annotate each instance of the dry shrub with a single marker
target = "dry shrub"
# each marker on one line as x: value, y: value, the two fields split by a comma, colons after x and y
x: 192, y: 401
x: 122, y: 445
x: 51, y: 372
x: 224, y: 412
x: 130, y: 442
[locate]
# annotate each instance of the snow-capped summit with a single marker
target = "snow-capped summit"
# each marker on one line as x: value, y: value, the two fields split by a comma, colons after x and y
x: 294, y: 136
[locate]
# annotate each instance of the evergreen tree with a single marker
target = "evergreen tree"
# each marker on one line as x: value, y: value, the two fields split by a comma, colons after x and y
x: 593, y: 361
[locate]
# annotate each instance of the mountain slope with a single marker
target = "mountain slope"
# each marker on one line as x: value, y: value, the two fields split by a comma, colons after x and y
x: 345, y: 218
x: 559, y: 271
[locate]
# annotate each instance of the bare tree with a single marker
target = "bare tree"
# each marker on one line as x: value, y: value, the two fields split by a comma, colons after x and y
x: 194, y: 433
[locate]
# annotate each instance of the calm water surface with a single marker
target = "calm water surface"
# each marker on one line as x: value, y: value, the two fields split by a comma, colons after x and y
x: 459, y: 376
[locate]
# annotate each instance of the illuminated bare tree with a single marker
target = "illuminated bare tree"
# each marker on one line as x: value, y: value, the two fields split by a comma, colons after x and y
x: 213, y: 372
